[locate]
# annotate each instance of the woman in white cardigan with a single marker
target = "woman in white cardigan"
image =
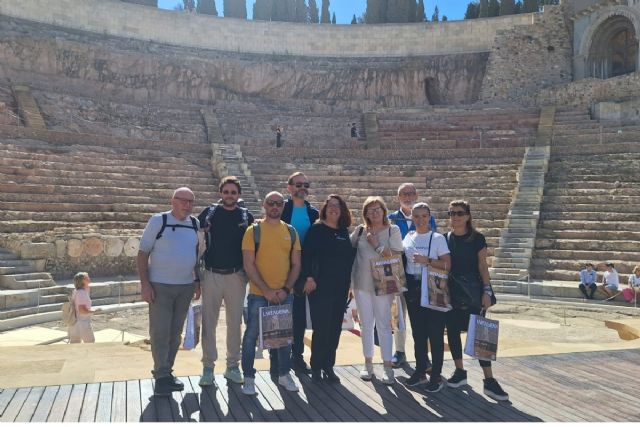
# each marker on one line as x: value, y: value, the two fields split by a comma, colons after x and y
x: 376, y: 237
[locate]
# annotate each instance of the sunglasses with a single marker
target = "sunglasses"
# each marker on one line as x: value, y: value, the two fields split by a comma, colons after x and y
x: 302, y: 184
x: 275, y: 203
x: 457, y: 213
x: 232, y: 192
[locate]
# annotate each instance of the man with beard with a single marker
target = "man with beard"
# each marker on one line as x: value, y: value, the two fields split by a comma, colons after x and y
x: 407, y: 196
x: 224, y: 279
x: 300, y: 214
x: 271, y: 253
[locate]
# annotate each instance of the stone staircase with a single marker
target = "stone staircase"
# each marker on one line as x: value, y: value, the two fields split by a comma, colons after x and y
x: 28, y: 107
x: 517, y: 241
x: 370, y: 121
x: 227, y: 159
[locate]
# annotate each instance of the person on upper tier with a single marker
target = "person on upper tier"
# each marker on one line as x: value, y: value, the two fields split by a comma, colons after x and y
x: 470, y: 291
x: 327, y: 258
x: 376, y: 237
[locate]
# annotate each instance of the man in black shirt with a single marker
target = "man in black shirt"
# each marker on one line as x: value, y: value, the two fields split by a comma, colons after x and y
x: 224, y: 225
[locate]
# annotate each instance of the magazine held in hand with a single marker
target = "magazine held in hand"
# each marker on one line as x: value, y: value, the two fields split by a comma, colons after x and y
x: 482, y: 338
x: 276, y: 326
x: 434, y: 292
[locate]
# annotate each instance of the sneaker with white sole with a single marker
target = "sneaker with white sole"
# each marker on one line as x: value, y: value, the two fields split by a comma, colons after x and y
x: 493, y: 389
x: 207, y: 378
x: 458, y: 379
x: 234, y: 375
x: 249, y: 386
x: 287, y: 382
x: 388, y: 377
x: 367, y: 372
x: 434, y: 385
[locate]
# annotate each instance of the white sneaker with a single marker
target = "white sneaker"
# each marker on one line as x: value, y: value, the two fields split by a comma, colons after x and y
x: 367, y: 373
x: 249, y: 386
x: 287, y: 382
x: 388, y: 377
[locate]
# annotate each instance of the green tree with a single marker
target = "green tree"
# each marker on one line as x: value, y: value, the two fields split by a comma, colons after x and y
x: 262, y: 10
x: 189, y: 5
x: 325, y: 15
x: 302, y: 11
x: 529, y: 6
x: 333, y: 19
x: 314, y: 17
x: 283, y: 10
x: 420, y: 16
x: 235, y: 9
x: 507, y: 7
x: 376, y: 12
x: 436, y: 14
x: 444, y: 18
x: 412, y: 9
x: 494, y: 8
x: 473, y: 9
x: 354, y: 21
x: 398, y: 11
x: 484, y: 9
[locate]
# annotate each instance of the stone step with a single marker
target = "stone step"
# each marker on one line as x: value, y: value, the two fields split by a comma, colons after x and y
x: 498, y: 275
x: 16, y: 269
x: 512, y: 252
x: 509, y: 265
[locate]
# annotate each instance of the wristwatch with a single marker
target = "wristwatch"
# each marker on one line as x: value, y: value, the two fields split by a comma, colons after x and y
x: 487, y: 290
x: 286, y: 290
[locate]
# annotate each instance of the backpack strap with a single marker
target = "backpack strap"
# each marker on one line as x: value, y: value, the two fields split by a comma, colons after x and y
x: 164, y: 225
x: 256, y: 236
x: 293, y: 235
x: 194, y: 225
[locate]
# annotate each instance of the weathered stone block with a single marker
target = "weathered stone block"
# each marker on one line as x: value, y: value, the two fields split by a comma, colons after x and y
x: 131, y: 246
x: 61, y: 248
x: 93, y: 246
x: 37, y: 250
x: 74, y: 248
x: 113, y: 246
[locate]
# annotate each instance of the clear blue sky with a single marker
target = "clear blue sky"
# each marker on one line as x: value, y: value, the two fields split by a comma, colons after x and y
x: 344, y: 9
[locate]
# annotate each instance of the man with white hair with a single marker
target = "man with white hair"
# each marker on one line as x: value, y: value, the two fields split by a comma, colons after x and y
x: 167, y: 262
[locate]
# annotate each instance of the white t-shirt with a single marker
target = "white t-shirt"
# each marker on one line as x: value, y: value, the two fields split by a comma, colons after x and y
x: 81, y: 297
x: 634, y: 280
x: 419, y: 243
x: 611, y: 278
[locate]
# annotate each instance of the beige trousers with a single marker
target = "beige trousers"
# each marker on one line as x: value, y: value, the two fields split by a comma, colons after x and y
x: 231, y: 289
x: 81, y: 331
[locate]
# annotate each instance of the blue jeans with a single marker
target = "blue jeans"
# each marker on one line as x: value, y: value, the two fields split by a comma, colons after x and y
x: 250, y: 339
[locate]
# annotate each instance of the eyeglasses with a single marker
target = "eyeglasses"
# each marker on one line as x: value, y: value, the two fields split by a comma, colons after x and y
x: 302, y: 184
x: 408, y: 193
x: 232, y: 192
x: 457, y: 213
x: 277, y: 203
x: 374, y: 210
x: 187, y: 201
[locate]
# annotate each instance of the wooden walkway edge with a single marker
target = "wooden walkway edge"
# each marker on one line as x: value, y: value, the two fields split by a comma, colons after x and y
x: 572, y: 387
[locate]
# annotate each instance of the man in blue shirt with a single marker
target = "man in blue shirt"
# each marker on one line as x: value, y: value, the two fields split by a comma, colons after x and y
x: 407, y: 197
x: 301, y: 214
x: 588, y: 280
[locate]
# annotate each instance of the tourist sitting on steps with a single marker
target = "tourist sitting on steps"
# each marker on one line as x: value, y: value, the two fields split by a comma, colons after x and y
x: 631, y: 293
x: 588, y: 280
x: 610, y: 282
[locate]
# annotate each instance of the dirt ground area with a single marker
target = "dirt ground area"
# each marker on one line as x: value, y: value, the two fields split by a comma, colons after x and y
x: 528, y: 320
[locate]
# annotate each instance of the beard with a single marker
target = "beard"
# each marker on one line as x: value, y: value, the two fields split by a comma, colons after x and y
x: 229, y: 202
x: 273, y: 213
x: 301, y: 194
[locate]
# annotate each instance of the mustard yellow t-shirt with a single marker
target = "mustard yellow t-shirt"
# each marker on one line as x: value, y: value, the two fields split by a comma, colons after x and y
x: 273, y: 257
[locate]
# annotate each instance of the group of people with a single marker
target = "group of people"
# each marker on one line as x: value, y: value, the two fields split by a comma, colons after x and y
x: 610, y: 282
x: 298, y: 254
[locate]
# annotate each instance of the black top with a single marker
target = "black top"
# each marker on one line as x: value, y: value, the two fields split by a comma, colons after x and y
x: 224, y: 238
x: 327, y: 256
x: 464, y: 254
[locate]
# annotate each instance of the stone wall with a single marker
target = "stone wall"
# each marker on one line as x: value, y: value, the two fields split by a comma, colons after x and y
x: 49, y: 57
x: 624, y: 113
x: 113, y: 17
x: 584, y: 93
x: 529, y: 58
x: 65, y: 254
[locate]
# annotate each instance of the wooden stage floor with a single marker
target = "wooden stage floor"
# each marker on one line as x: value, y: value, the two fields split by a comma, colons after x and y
x: 595, y: 386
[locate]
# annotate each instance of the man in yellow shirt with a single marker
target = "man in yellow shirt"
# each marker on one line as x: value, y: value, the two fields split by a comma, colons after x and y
x: 272, y: 268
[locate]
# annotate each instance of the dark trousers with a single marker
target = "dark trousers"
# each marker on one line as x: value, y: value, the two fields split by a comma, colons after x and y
x: 326, y: 317
x: 299, y: 326
x: 419, y: 318
x: 457, y: 320
x: 592, y: 289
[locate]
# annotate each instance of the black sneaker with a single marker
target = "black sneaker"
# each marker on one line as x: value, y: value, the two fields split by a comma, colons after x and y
x: 398, y: 359
x: 493, y: 389
x: 300, y: 366
x: 164, y: 386
x: 434, y: 385
x: 331, y: 376
x: 416, y: 378
x: 176, y: 384
x: 316, y: 376
x: 458, y: 379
